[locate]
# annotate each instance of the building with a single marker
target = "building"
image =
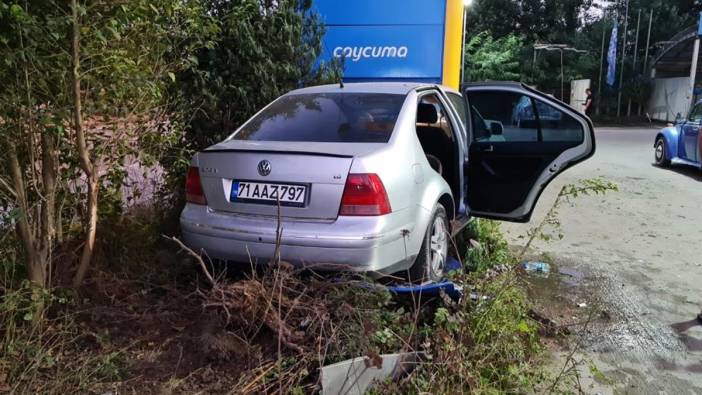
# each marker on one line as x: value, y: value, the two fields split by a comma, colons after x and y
x: 670, y: 70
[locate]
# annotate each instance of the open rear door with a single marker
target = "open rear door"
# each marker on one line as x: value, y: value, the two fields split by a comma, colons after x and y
x: 521, y: 139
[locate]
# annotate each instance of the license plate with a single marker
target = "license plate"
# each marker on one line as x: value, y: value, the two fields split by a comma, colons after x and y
x: 258, y: 192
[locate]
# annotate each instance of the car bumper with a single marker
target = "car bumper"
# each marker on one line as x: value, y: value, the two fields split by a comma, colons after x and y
x: 369, y: 244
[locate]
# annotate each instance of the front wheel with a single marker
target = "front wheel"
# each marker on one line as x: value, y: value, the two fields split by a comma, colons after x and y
x: 431, y: 260
x: 660, y: 153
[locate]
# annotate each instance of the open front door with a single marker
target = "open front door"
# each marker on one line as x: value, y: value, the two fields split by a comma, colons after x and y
x: 521, y: 139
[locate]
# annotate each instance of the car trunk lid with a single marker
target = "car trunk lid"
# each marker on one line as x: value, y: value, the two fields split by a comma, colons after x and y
x: 321, y: 168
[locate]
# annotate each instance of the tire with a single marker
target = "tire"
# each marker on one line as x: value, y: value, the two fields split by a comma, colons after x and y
x: 431, y: 260
x: 659, y: 153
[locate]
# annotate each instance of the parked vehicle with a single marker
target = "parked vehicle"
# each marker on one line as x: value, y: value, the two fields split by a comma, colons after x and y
x: 375, y: 177
x: 680, y: 143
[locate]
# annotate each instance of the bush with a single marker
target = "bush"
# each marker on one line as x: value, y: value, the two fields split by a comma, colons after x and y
x: 487, y: 246
x: 489, y: 346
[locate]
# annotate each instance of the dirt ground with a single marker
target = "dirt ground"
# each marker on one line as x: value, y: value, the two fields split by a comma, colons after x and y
x: 632, y: 259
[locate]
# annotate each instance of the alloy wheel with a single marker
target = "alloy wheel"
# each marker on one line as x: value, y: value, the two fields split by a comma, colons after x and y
x: 659, y: 151
x: 438, y: 245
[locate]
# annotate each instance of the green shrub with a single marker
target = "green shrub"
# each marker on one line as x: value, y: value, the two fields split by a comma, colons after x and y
x: 488, y: 247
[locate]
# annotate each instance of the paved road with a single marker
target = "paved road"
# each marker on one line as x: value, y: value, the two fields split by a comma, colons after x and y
x: 640, y: 250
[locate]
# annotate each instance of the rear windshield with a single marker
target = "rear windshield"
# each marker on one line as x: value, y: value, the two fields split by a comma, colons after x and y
x: 326, y: 117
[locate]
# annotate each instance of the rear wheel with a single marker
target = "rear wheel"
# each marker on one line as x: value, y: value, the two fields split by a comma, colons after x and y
x: 660, y: 153
x: 431, y: 260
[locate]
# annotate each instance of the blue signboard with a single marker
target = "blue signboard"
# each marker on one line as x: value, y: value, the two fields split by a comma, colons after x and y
x: 385, y: 39
x: 381, y: 12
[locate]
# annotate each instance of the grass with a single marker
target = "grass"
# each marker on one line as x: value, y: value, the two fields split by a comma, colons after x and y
x: 487, y: 344
x: 486, y: 347
x: 148, y: 321
x: 54, y: 355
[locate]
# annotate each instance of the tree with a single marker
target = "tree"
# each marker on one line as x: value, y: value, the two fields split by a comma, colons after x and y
x: 487, y: 58
x: 518, y: 25
x: 497, y: 17
x: 30, y: 130
x: 123, y: 56
x: 265, y: 49
x: 94, y: 77
x: 534, y: 20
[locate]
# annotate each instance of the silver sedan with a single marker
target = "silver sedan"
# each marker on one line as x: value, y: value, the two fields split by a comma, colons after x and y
x: 375, y: 177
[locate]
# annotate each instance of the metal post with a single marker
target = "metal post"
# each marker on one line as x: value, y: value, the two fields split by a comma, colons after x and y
x: 599, y: 76
x: 621, y: 72
x: 648, y: 43
x: 636, y: 48
x: 562, y: 98
x: 533, y: 64
x: 693, y: 70
x: 463, y: 45
x: 648, y: 40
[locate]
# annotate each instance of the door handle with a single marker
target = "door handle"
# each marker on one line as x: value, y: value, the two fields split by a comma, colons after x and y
x: 489, y: 148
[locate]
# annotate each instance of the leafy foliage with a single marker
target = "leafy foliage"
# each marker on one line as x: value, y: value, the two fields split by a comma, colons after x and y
x: 79, y: 92
x: 532, y: 19
x: 488, y: 246
x: 263, y: 50
x: 581, y: 24
x: 488, y: 58
x: 485, y: 347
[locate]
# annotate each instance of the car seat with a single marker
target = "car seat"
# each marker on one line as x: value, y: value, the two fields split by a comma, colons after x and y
x: 437, y: 146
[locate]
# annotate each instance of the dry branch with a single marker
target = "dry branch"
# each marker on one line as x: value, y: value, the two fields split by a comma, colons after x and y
x: 197, y: 257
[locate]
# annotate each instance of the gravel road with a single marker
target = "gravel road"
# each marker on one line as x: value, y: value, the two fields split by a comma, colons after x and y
x: 640, y: 250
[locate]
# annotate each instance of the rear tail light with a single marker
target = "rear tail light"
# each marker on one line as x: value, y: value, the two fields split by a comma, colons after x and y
x: 364, y: 194
x: 193, y: 187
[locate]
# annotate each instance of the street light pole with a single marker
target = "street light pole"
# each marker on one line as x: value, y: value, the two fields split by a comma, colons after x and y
x: 466, y: 4
x: 648, y: 40
x: 562, y: 98
x: 621, y: 71
x: 463, y: 44
x: 636, y: 48
x: 560, y: 48
x: 648, y: 43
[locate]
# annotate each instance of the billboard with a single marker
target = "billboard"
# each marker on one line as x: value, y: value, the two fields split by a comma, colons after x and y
x: 394, y: 40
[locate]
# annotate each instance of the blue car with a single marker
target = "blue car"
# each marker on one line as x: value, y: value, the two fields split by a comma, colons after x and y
x: 680, y: 143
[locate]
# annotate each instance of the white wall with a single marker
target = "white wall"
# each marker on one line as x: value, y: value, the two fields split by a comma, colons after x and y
x: 577, y: 93
x: 669, y: 97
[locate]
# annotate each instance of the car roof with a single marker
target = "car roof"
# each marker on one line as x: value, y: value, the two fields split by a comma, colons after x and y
x: 494, y: 83
x: 369, y: 87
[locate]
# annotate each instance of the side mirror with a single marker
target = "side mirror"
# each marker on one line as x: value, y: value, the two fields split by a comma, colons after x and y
x: 496, y: 128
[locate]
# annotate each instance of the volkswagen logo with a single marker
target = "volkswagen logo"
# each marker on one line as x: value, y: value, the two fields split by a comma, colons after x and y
x: 264, y: 167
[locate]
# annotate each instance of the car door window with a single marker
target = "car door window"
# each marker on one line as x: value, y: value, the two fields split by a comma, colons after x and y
x: 460, y: 106
x: 696, y: 114
x: 521, y: 140
x: 436, y: 136
x: 504, y: 117
x: 441, y: 123
x: 500, y: 117
x: 690, y: 133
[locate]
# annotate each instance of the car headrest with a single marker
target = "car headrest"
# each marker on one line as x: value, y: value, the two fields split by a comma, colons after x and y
x: 426, y: 113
